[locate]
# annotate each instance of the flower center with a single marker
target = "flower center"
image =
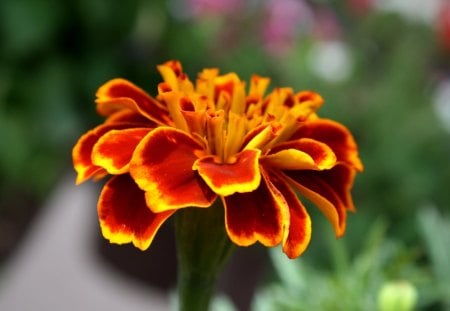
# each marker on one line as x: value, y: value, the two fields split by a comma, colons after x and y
x: 226, y: 119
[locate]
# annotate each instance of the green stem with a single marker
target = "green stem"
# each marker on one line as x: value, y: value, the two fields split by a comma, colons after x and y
x: 203, y: 247
x: 195, y: 292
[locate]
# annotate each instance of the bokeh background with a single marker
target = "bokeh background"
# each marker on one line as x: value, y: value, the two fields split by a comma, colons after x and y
x: 383, y: 67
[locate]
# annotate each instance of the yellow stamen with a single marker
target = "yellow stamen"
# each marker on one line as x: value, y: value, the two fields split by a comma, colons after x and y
x: 205, y: 83
x: 262, y: 139
x: 215, y: 132
x: 172, y: 100
x: 258, y: 85
x: 238, y: 100
x: 235, y: 134
x: 169, y: 76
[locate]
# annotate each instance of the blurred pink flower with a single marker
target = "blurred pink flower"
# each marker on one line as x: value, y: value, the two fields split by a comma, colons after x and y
x: 327, y: 25
x: 282, y: 24
x: 212, y: 7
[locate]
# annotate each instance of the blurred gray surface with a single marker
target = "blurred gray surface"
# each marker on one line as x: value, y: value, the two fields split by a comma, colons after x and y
x: 55, y: 267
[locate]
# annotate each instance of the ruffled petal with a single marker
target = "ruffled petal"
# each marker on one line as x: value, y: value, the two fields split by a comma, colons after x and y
x: 162, y: 166
x: 309, y: 100
x: 340, y: 179
x: 301, y: 154
x: 120, y: 94
x: 315, y: 186
x: 243, y: 175
x: 261, y: 135
x: 299, y: 234
x: 130, y: 116
x: 82, y: 151
x: 258, y: 85
x: 113, y: 150
x: 170, y: 71
x: 124, y: 216
x: 336, y: 136
x: 261, y: 215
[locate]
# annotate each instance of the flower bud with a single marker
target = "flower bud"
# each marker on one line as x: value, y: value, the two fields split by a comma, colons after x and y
x: 397, y: 296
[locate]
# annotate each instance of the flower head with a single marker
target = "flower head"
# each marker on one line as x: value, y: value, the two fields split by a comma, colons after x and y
x: 217, y: 139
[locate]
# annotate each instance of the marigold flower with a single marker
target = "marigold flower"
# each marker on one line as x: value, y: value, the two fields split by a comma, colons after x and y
x: 196, y: 143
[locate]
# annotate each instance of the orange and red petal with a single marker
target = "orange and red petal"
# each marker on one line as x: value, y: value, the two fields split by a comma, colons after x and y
x: 315, y: 187
x: 113, y: 150
x: 309, y: 98
x: 124, y: 216
x: 301, y: 154
x: 162, y: 166
x: 341, y: 179
x: 336, y: 136
x: 299, y: 234
x: 261, y: 215
x: 82, y: 151
x: 261, y: 135
x: 119, y: 94
x: 170, y: 71
x: 258, y: 85
x: 243, y: 175
x: 130, y: 116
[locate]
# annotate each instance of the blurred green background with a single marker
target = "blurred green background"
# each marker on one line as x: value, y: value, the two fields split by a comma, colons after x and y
x: 383, y: 68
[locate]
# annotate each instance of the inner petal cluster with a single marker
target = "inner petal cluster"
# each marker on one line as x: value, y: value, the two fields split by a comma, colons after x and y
x: 219, y: 112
